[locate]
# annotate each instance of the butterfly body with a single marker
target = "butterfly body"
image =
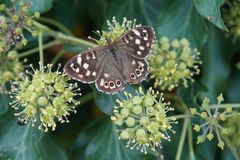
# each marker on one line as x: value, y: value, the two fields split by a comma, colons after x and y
x: 119, y: 62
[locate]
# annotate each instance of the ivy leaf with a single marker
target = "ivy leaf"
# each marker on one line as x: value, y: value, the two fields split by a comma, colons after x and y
x: 211, y: 11
x: 107, y: 102
x: 190, y: 94
x: 191, y: 25
x: 104, y: 144
x: 217, y: 63
x: 25, y: 142
x: 4, y: 100
x: 50, y: 150
x: 41, y: 6
x: 18, y: 142
x: 164, y: 17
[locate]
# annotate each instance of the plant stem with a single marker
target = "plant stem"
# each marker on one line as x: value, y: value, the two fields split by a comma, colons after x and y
x: 34, y: 50
x: 180, y: 116
x: 57, y: 57
x: 57, y: 24
x: 232, y: 148
x: 40, y: 46
x: 190, y: 137
x: 61, y: 36
x: 182, y: 138
x: 233, y: 105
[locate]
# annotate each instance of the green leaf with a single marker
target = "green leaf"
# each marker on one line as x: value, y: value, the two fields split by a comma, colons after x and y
x: 50, y: 150
x: 190, y: 94
x: 25, y: 142
x: 107, y: 102
x: 175, y: 19
x: 18, y: 142
x: 211, y: 11
x: 103, y: 144
x: 41, y: 6
x: 4, y: 100
x: 216, y: 57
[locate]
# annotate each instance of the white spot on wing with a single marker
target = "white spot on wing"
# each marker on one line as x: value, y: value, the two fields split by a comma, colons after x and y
x: 94, y: 73
x: 139, y: 52
x: 137, y: 41
x: 79, y: 60
x: 88, y: 73
x: 140, y: 63
x: 85, y: 65
x: 101, y: 82
x: 136, y: 32
x: 87, y: 57
x: 141, y: 48
x: 93, y: 55
x: 148, y: 44
x: 125, y: 39
x: 106, y: 75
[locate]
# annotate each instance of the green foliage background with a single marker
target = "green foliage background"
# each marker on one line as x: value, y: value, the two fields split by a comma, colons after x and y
x: 90, y: 135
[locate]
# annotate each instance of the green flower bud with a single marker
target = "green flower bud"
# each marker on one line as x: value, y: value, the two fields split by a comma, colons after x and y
x: 204, y: 115
x: 136, y: 100
x: 201, y: 139
x: 210, y: 136
x: 137, y: 109
x: 124, y: 134
x: 221, y: 144
x: 15, y: 18
x: 130, y: 122
x: 197, y: 128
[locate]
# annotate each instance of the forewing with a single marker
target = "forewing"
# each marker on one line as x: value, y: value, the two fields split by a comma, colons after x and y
x: 137, y: 42
x: 111, y: 79
x: 85, y: 67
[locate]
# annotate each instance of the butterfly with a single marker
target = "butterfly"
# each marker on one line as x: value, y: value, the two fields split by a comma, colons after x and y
x: 114, y: 65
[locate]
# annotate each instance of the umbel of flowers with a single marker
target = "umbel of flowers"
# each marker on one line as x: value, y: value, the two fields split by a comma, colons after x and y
x: 142, y: 120
x: 44, y: 96
x: 232, y: 18
x: 13, y: 21
x: 213, y: 121
x: 173, y: 62
x: 10, y: 67
x: 233, y: 125
x: 115, y: 30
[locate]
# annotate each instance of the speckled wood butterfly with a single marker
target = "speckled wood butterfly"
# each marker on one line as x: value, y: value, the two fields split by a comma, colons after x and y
x: 113, y: 65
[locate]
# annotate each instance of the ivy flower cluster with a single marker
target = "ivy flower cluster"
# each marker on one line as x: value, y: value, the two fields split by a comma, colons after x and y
x: 13, y: 21
x: 232, y: 18
x: 115, y: 30
x: 142, y: 120
x: 10, y: 68
x: 233, y: 125
x: 173, y: 62
x: 212, y: 121
x: 44, y: 96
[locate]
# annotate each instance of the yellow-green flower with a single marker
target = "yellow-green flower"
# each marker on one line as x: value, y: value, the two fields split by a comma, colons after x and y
x: 142, y: 120
x: 173, y: 62
x: 213, y: 121
x: 44, y: 96
x: 232, y: 18
x: 233, y: 125
x: 115, y: 30
x: 10, y: 67
x: 13, y: 21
